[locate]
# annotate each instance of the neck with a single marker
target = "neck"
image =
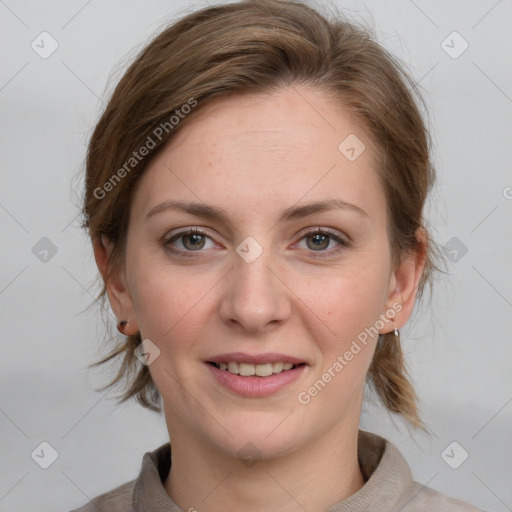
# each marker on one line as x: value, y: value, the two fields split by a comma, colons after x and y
x: 311, y: 478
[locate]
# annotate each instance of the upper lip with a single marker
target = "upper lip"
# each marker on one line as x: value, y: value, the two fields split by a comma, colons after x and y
x: 241, y: 357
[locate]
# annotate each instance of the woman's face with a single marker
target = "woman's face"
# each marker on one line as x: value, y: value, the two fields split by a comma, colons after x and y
x: 291, y: 266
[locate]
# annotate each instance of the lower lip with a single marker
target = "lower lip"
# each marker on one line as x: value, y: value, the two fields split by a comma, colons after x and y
x: 256, y: 386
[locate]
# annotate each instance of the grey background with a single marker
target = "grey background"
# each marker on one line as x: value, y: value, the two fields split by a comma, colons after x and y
x: 458, y: 347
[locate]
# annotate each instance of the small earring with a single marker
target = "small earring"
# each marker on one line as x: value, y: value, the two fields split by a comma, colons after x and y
x: 121, y: 325
x: 396, y: 332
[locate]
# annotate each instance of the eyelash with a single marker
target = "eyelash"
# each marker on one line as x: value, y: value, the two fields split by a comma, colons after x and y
x: 344, y: 244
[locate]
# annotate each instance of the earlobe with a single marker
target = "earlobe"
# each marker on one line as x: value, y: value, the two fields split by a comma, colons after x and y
x: 405, y: 281
x: 117, y: 290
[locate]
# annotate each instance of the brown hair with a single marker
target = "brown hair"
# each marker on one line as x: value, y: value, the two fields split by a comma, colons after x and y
x: 252, y: 47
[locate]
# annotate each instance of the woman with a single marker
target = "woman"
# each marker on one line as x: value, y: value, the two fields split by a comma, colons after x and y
x: 254, y: 196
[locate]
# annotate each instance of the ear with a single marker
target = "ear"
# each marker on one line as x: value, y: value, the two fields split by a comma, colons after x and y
x: 117, y: 290
x: 403, y: 285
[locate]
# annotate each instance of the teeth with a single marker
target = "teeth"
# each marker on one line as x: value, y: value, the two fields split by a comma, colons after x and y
x: 248, y: 370
x: 233, y: 367
x: 263, y: 370
x: 277, y: 367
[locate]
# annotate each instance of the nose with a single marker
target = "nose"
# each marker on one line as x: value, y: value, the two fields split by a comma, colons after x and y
x: 256, y: 297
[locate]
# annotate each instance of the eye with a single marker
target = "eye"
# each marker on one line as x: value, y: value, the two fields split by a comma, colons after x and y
x: 192, y: 240
x: 317, y: 240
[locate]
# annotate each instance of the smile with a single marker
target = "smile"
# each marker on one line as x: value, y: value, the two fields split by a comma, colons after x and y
x: 259, y: 370
x: 257, y: 379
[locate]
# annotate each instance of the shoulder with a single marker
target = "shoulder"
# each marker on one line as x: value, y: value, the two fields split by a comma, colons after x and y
x: 391, y: 486
x: 145, y: 492
x: 119, y: 499
x: 419, y: 498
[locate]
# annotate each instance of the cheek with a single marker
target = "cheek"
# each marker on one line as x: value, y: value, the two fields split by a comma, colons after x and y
x: 346, y: 301
x: 169, y: 303
x: 165, y: 310
x: 349, y: 306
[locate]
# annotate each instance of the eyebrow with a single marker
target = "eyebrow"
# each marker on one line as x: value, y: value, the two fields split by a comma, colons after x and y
x: 292, y: 213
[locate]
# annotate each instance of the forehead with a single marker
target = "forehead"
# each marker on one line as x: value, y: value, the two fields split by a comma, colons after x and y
x: 266, y: 151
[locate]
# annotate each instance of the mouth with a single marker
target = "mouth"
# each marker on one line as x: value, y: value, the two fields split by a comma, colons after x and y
x: 259, y: 370
x: 255, y: 375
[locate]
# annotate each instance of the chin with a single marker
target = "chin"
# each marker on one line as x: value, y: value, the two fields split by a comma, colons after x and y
x: 260, y: 435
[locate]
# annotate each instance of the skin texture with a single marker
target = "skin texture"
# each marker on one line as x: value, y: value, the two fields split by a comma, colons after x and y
x: 254, y: 156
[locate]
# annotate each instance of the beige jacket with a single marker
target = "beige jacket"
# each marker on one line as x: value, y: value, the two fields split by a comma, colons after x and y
x: 389, y: 486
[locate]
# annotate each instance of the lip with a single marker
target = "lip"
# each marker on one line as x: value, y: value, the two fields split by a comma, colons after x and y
x: 242, y: 357
x: 256, y: 387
